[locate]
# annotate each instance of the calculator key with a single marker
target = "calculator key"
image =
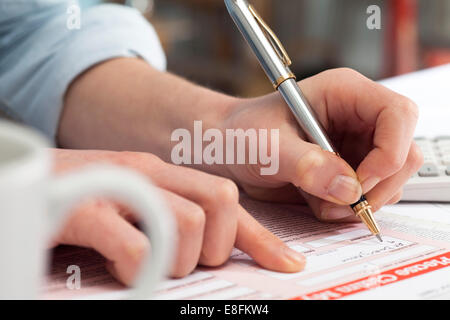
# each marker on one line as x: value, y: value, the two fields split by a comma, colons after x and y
x: 428, y: 170
x: 443, y: 143
x: 441, y: 138
x: 430, y: 162
x: 447, y: 171
x: 444, y: 149
x: 428, y: 152
x: 423, y: 141
x: 429, y: 158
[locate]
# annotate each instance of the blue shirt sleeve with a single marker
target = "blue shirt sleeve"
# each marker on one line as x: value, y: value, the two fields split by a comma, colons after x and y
x: 40, y: 56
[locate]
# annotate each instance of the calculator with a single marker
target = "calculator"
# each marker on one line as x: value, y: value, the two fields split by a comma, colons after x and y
x: 432, y: 181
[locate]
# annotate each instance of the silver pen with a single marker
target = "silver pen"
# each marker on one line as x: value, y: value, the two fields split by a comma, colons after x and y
x: 275, y: 62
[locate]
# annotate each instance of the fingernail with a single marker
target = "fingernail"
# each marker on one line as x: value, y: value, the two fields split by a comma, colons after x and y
x: 345, y: 189
x: 336, y: 213
x: 294, y: 257
x: 369, y: 183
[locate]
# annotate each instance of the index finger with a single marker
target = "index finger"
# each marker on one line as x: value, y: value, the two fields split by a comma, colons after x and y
x: 264, y: 247
x: 351, y: 98
x: 394, y: 118
x: 392, y: 140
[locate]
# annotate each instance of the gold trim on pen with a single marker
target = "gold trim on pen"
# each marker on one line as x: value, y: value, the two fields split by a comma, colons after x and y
x: 273, y: 39
x: 360, y: 207
x: 282, y: 79
x: 364, y: 211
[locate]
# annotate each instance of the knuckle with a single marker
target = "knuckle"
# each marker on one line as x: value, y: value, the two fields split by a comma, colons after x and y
x: 181, y: 270
x: 94, y: 209
x: 138, y: 249
x: 416, y: 157
x: 409, y: 108
x: 264, y: 236
x: 395, y: 162
x: 193, y: 219
x: 396, y: 198
x: 214, y: 255
x: 348, y: 72
x: 140, y: 159
x: 86, y: 218
x: 216, y: 259
x: 339, y: 73
x: 307, y: 166
x: 226, y: 191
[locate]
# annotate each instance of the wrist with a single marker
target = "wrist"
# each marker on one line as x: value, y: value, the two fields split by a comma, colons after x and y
x: 216, y: 120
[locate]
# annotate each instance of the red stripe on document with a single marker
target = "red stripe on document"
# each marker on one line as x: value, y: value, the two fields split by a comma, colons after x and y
x: 379, y: 280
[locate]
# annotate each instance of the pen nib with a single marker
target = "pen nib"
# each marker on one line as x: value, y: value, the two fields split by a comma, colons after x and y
x: 379, y: 238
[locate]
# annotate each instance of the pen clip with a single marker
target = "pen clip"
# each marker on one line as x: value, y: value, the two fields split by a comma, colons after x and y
x: 273, y: 39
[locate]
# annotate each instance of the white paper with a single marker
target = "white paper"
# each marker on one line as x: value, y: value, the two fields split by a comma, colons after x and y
x: 343, y: 261
x: 430, y: 90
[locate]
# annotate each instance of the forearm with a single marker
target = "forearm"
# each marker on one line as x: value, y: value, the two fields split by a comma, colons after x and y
x: 125, y: 104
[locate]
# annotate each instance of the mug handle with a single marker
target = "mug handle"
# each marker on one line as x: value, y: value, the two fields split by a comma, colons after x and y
x: 133, y: 190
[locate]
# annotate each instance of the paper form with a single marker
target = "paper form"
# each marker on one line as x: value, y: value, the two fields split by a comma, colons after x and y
x: 343, y: 261
x: 429, y: 89
x: 428, y: 213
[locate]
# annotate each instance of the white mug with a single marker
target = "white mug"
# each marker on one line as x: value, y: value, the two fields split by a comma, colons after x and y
x: 33, y: 205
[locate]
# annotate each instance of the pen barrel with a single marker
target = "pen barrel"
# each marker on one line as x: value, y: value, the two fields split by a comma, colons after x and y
x: 304, y: 114
x: 258, y: 41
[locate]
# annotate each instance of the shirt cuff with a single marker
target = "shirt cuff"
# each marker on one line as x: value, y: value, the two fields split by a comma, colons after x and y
x: 107, y: 31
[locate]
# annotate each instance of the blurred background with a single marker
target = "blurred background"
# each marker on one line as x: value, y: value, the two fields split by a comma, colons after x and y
x: 202, y: 43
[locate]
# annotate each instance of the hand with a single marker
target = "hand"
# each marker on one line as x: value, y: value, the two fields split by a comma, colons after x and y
x: 209, y: 218
x: 371, y: 127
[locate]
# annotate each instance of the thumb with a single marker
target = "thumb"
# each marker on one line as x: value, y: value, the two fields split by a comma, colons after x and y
x: 317, y: 172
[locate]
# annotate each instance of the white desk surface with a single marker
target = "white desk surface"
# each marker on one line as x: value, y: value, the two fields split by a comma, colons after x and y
x: 430, y: 90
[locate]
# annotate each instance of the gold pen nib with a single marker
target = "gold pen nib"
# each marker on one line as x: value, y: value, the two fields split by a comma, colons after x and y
x: 364, y: 211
